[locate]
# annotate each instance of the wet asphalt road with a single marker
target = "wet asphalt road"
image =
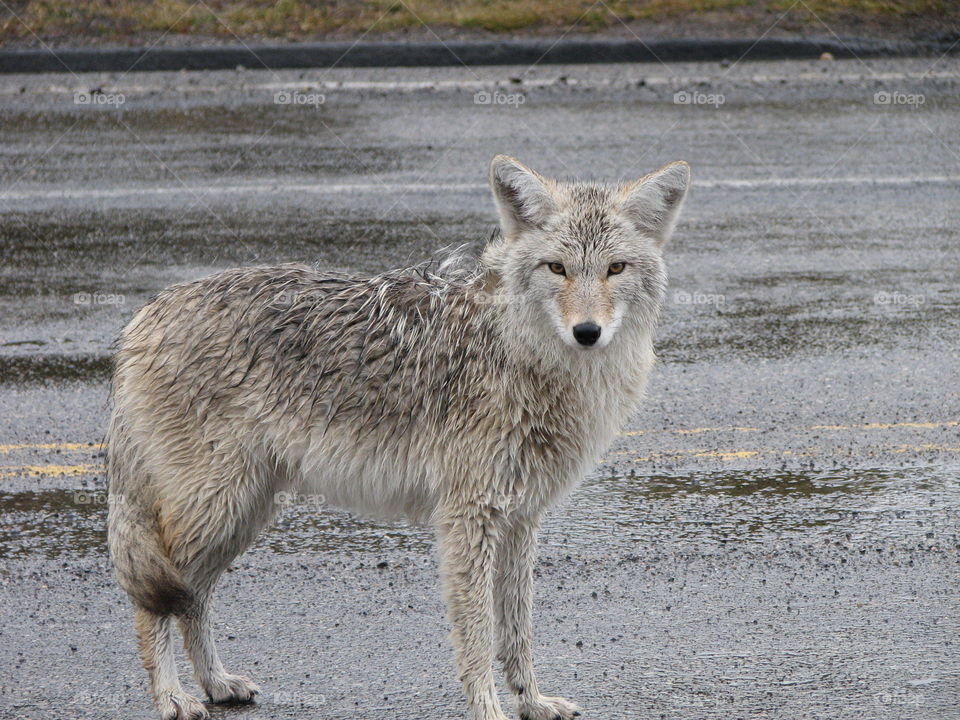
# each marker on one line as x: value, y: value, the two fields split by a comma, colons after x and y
x: 775, y: 535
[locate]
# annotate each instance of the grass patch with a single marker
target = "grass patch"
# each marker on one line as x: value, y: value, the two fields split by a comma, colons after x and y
x: 305, y: 19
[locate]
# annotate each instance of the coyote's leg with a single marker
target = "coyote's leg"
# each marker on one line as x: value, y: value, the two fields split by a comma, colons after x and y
x: 156, y: 648
x: 513, y: 590
x: 468, y: 550
x: 220, y: 686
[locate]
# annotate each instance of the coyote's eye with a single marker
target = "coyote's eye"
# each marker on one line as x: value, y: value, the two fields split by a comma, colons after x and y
x: 616, y: 268
x: 557, y: 268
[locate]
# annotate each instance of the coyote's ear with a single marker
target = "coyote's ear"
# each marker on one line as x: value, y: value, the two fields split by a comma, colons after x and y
x: 522, y: 196
x: 653, y: 202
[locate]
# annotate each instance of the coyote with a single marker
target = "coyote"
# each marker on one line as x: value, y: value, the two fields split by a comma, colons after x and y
x: 471, y: 398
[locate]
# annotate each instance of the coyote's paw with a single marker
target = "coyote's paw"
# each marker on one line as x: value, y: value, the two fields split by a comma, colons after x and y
x: 177, y: 705
x: 232, y: 690
x: 547, y: 708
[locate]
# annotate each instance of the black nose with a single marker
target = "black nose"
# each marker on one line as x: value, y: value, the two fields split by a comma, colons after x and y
x: 586, y: 333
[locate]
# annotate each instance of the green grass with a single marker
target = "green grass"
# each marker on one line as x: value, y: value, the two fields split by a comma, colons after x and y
x: 302, y: 19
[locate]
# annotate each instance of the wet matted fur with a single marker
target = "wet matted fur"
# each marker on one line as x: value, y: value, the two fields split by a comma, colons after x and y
x: 471, y: 400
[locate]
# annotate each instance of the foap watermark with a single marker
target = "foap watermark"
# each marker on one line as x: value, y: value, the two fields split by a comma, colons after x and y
x: 895, y: 97
x: 96, y: 497
x: 482, y: 297
x: 896, y: 297
x: 894, y: 697
x: 501, y: 500
x: 684, y: 297
x: 287, y: 499
x: 485, y: 97
x: 296, y: 698
x: 89, y: 697
x: 296, y: 97
x: 98, y: 298
x: 98, y: 98
x: 688, y: 97
x: 294, y: 297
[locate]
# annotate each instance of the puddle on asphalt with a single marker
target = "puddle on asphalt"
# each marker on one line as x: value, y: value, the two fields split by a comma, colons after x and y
x: 23, y: 369
x: 752, y: 507
x: 125, y: 251
x: 701, y: 512
x: 769, y: 330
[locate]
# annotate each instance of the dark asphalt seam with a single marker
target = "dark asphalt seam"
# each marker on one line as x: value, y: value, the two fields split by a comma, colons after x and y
x: 454, y: 53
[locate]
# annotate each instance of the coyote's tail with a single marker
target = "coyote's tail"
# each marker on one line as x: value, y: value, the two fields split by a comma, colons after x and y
x: 143, y: 568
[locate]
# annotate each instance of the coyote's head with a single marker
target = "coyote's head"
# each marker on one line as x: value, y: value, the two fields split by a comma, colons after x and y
x: 584, y: 258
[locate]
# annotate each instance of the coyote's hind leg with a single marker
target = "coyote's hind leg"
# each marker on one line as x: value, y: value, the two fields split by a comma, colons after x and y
x: 156, y: 649
x: 220, y: 686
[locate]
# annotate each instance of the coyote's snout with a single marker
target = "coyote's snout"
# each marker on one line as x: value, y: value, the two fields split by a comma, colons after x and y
x: 470, y: 399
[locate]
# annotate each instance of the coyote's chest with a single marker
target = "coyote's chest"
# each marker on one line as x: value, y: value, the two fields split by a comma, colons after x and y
x: 563, y: 433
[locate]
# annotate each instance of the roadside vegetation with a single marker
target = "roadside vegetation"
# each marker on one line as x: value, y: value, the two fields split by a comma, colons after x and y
x: 122, y: 21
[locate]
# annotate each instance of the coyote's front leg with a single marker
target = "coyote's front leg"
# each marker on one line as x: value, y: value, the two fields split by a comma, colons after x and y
x: 468, y: 542
x: 513, y: 590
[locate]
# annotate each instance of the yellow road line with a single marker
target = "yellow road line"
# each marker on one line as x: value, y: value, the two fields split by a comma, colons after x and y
x: 48, y: 470
x: 48, y: 446
x: 89, y: 468
x: 92, y: 468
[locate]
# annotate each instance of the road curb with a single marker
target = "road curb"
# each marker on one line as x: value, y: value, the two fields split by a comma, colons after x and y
x: 454, y: 53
